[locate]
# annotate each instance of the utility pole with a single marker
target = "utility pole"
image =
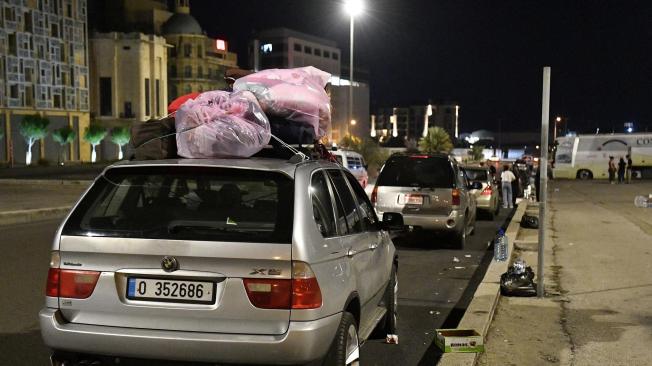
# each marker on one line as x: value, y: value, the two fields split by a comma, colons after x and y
x: 543, y: 177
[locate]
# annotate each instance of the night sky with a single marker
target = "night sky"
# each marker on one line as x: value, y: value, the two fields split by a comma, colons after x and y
x: 486, y: 54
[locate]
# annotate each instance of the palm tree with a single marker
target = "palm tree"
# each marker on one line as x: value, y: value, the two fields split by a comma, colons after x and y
x: 63, y: 136
x: 120, y: 136
x: 477, y: 152
x: 437, y: 141
x: 94, y: 135
x: 33, y: 128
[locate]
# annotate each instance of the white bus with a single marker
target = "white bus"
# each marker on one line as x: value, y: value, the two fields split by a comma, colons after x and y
x: 587, y: 156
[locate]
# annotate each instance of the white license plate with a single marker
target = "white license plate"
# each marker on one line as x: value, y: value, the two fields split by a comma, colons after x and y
x: 412, y: 199
x: 156, y: 289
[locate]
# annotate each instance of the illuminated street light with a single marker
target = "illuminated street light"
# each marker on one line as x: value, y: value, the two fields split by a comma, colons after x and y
x: 353, y: 122
x: 558, y: 119
x: 353, y: 8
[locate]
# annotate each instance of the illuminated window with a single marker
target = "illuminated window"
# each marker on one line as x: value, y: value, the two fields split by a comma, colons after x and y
x: 266, y: 48
x: 220, y: 44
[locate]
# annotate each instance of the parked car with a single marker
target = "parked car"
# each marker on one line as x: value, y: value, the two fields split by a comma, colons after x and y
x: 355, y: 163
x: 256, y: 261
x: 430, y: 191
x: 487, y: 197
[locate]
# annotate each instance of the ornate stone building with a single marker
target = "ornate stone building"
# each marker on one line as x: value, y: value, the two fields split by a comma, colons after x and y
x: 44, y: 70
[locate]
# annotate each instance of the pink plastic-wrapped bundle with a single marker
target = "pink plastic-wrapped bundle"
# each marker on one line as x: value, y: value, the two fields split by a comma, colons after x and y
x: 293, y: 94
x: 221, y: 124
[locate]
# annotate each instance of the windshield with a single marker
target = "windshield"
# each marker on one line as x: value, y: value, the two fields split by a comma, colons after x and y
x: 189, y: 203
x: 417, y: 171
x: 564, y: 153
x: 476, y: 174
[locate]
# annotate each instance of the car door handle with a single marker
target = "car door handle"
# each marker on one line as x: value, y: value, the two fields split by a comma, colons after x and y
x: 351, y: 252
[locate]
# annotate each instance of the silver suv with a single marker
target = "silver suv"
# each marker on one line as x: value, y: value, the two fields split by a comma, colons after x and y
x: 430, y: 191
x: 256, y: 260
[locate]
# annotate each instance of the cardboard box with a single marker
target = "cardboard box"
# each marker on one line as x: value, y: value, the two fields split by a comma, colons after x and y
x: 459, y: 340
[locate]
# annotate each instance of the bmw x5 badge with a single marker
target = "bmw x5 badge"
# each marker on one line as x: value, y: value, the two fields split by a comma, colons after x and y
x: 169, y: 264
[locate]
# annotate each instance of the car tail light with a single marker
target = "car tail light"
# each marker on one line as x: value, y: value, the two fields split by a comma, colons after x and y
x: 487, y: 191
x: 269, y: 293
x: 374, y: 195
x: 306, y: 293
x: 69, y: 283
x: 301, y: 292
x: 455, y: 201
x: 419, y: 157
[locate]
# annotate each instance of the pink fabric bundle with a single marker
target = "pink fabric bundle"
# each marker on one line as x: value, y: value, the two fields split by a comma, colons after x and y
x: 294, y: 94
x: 221, y: 124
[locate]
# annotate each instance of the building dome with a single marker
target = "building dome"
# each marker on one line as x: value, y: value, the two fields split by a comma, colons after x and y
x: 181, y: 23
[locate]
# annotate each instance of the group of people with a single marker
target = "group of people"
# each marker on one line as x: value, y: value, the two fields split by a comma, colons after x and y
x: 623, y: 169
x: 511, y: 183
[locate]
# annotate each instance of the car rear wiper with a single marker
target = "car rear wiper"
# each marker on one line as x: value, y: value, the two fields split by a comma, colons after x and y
x: 173, y: 229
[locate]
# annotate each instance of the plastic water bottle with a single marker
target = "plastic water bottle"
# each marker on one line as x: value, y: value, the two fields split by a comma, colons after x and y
x: 500, y: 247
x: 642, y: 201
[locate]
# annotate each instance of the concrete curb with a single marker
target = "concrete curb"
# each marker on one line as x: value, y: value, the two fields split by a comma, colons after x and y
x: 25, y: 216
x: 47, y: 182
x: 481, y: 310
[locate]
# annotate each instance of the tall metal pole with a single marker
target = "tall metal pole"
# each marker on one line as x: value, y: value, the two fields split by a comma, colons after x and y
x: 543, y: 176
x: 350, y: 79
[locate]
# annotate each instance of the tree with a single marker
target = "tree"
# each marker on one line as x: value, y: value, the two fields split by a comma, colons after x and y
x: 120, y: 136
x: 63, y: 136
x: 477, y: 152
x: 437, y: 141
x: 373, y: 155
x: 94, y: 134
x: 33, y: 128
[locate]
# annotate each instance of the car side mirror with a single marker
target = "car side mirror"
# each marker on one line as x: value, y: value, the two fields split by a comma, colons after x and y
x: 475, y: 185
x: 392, y: 221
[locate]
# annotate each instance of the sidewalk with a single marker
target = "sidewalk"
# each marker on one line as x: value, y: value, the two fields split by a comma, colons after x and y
x: 598, y: 304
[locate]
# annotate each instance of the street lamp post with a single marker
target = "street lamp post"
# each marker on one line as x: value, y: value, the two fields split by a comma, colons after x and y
x: 554, y: 134
x: 353, y: 8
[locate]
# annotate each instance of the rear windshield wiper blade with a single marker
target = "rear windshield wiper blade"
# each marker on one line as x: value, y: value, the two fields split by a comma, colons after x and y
x: 176, y: 228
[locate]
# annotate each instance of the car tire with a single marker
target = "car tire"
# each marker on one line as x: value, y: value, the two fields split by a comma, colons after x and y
x: 584, y: 174
x: 345, y: 349
x: 391, y: 303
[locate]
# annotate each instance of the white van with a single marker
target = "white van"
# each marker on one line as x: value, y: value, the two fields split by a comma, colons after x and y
x: 355, y: 163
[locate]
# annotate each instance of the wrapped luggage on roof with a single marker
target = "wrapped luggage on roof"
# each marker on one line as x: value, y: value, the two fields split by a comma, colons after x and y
x: 221, y: 124
x: 295, y: 95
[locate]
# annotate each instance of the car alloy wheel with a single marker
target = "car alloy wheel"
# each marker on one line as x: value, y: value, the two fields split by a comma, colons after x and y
x: 352, y: 346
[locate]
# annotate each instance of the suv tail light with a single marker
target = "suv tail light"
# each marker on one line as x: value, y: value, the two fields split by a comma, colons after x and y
x: 487, y: 191
x: 374, y: 195
x: 455, y: 201
x: 69, y: 283
x: 301, y: 292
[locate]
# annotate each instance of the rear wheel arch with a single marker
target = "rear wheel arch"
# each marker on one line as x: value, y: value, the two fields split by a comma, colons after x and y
x: 353, y: 306
x: 584, y: 174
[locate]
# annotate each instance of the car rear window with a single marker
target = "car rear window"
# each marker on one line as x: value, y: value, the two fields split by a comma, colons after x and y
x: 477, y: 174
x: 354, y: 162
x: 187, y: 203
x: 417, y: 171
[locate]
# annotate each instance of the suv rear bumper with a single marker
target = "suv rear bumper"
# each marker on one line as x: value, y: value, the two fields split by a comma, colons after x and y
x: 453, y: 222
x: 303, y: 342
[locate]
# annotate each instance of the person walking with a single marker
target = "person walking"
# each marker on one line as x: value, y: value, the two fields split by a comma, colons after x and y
x: 621, y: 170
x: 612, y: 170
x: 506, y: 178
x: 628, y: 172
x: 517, y: 187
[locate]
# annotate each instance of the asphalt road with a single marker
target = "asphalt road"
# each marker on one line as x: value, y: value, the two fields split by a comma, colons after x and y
x: 432, y: 292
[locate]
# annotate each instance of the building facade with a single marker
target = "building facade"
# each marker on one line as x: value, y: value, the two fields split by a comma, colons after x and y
x: 412, y: 123
x: 196, y: 62
x: 43, y: 70
x: 286, y: 48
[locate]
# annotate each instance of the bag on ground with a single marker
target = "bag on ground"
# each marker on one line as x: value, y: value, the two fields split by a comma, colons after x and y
x: 295, y: 95
x: 221, y: 124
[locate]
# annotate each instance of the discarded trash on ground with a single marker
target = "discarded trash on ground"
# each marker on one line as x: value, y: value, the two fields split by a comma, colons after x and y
x: 467, y: 255
x: 518, y: 280
x: 530, y: 222
x: 460, y: 267
x: 459, y: 340
x: 456, y: 260
x: 391, y: 339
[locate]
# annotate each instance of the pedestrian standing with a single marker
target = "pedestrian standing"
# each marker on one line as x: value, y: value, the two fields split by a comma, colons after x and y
x: 628, y: 172
x: 506, y: 178
x: 621, y: 170
x: 517, y: 189
x: 612, y: 170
